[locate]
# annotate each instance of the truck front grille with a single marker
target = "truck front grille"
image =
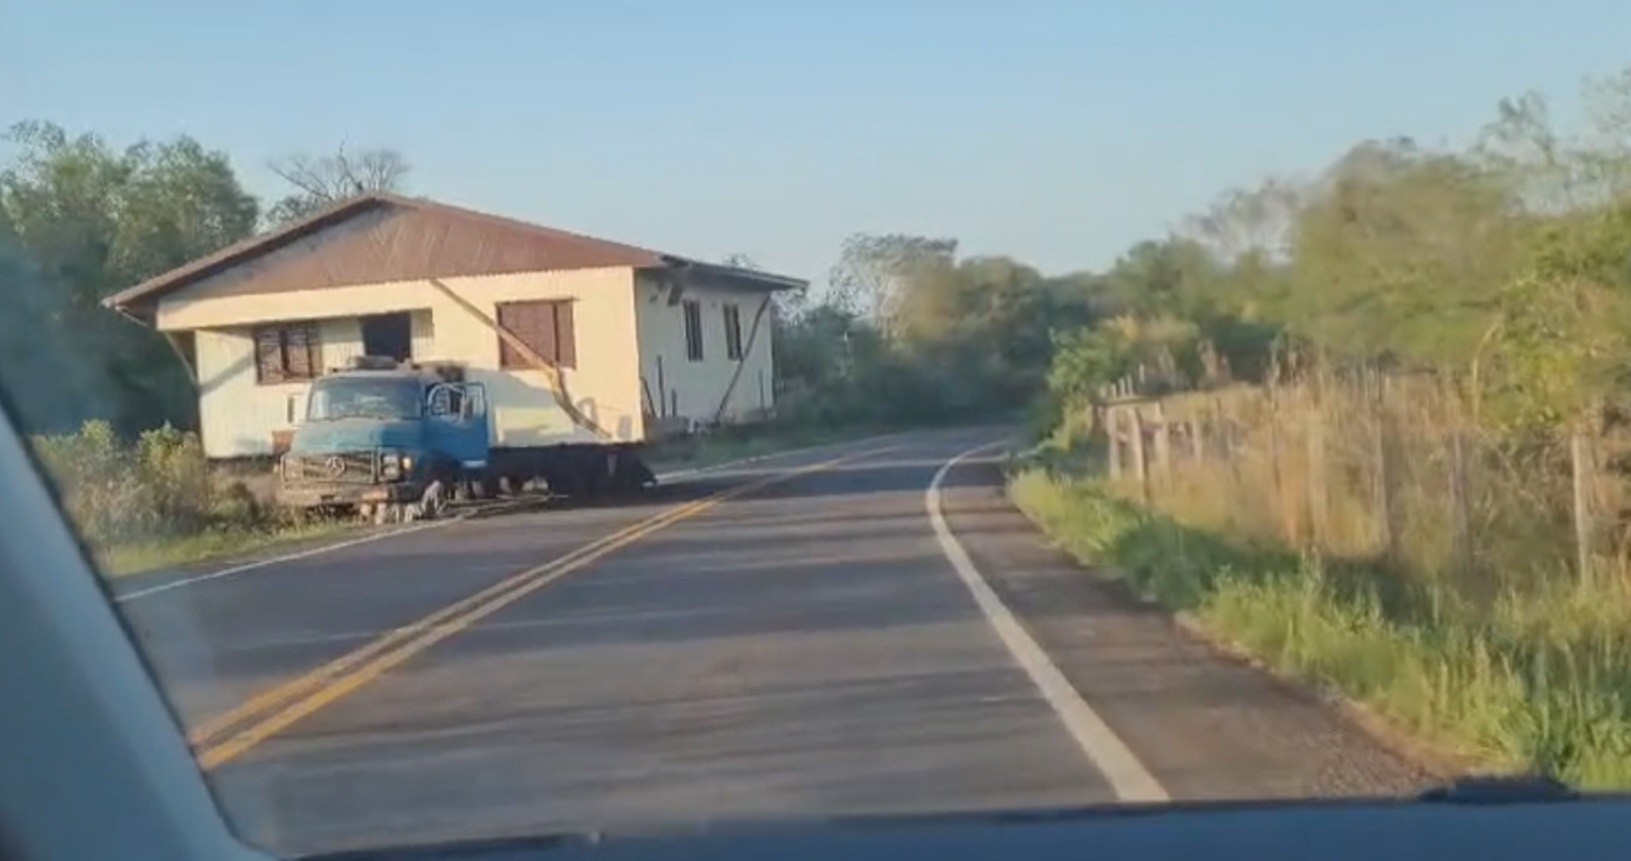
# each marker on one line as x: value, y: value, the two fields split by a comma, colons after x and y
x: 348, y: 468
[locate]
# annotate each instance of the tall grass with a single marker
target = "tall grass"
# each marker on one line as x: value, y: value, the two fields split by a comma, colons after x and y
x: 155, y: 501
x: 1466, y: 623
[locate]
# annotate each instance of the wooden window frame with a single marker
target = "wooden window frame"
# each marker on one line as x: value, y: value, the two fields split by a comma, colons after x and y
x: 732, y: 314
x: 286, y: 348
x: 691, y: 310
x: 555, y: 340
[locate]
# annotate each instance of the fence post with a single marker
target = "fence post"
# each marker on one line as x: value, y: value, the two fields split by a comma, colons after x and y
x: 1197, y: 442
x: 1318, y: 501
x: 1287, y: 528
x: 1141, y: 469
x: 1163, y: 441
x: 1112, y: 428
x: 1389, y: 515
x: 1460, y: 522
x: 1580, y: 461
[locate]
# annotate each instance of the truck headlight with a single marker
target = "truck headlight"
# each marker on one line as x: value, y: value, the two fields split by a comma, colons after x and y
x: 395, y: 465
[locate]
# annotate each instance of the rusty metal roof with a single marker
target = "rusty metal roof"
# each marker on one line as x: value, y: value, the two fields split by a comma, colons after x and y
x: 379, y: 237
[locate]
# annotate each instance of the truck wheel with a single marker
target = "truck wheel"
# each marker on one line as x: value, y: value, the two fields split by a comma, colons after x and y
x: 433, y: 502
x: 632, y: 474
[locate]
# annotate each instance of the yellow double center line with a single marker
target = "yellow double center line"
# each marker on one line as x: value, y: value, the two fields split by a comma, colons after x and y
x: 232, y: 733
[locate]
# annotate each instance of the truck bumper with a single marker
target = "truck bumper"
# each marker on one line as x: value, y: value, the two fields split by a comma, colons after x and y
x: 307, y: 495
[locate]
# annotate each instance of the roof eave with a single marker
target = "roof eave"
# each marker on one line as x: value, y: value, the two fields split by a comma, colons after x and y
x: 752, y: 278
x: 131, y: 297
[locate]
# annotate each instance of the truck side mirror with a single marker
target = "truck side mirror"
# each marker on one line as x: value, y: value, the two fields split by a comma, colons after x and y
x: 475, y: 401
x: 439, y: 402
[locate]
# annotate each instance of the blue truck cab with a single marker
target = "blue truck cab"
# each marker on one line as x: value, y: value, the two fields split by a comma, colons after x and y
x: 381, y: 437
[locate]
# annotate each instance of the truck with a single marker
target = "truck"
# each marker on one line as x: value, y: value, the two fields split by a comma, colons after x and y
x: 396, y: 441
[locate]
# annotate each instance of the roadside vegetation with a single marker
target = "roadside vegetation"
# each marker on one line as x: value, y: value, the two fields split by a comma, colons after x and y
x: 154, y: 502
x: 1406, y: 479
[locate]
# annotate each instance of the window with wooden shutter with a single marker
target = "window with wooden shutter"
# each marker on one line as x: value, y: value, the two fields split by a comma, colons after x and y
x: 733, y: 332
x: 545, y: 327
x: 693, y: 330
x: 287, y: 353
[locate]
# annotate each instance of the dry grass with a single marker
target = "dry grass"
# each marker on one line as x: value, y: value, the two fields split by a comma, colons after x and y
x: 1464, y: 623
x: 1395, y: 472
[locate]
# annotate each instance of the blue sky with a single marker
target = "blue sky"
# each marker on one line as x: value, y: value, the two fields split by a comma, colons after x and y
x: 1058, y: 132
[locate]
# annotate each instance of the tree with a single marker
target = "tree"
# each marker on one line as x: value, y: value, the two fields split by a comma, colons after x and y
x: 323, y: 181
x: 89, y: 220
x: 1243, y: 222
x: 786, y: 305
x: 871, y: 268
x: 1400, y: 253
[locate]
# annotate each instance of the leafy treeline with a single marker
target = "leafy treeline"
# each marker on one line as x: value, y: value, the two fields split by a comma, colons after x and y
x: 908, y: 332
x: 1501, y: 265
x: 81, y: 219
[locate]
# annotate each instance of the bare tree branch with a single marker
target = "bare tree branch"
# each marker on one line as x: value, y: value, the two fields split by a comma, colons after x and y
x: 325, y: 180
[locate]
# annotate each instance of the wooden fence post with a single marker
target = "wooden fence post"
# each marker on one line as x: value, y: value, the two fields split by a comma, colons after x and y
x: 1460, y: 501
x: 1112, y: 429
x: 1163, y: 441
x: 1318, y: 500
x: 1389, y: 513
x: 1287, y: 528
x: 1580, y: 461
x: 1141, y: 469
x: 1197, y: 442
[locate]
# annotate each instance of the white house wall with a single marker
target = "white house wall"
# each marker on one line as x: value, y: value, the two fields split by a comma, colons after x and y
x: 697, y: 388
x: 239, y: 416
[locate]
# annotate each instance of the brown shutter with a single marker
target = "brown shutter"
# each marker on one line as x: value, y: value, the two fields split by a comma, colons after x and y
x: 542, y: 337
x: 298, y: 349
x: 314, y: 350
x: 507, y: 357
x: 268, y: 355
x: 693, y: 330
x: 733, y: 332
x: 566, y: 340
x: 546, y: 327
x: 518, y: 318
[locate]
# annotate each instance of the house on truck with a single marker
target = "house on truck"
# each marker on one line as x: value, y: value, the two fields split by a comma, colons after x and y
x: 634, y: 344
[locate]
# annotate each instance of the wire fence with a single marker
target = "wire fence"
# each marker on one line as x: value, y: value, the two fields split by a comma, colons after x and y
x: 1390, y: 468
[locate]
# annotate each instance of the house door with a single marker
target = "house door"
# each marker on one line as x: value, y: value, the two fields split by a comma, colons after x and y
x: 388, y: 335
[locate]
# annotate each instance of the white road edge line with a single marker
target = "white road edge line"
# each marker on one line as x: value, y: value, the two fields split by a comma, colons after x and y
x: 314, y: 551
x: 274, y: 560
x: 1128, y: 777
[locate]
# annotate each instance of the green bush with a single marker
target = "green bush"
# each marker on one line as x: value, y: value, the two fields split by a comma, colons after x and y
x: 99, y: 481
x: 159, y: 485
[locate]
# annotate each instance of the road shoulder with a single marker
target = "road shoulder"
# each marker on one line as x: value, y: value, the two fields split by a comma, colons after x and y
x: 1209, y: 726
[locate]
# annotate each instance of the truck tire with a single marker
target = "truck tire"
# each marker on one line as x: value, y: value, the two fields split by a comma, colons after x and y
x: 632, y: 475
x: 433, y: 502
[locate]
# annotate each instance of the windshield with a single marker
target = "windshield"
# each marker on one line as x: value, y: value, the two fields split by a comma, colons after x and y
x: 350, y: 398
x: 793, y: 410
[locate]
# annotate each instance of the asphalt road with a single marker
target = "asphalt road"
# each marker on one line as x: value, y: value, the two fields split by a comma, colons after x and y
x: 789, y: 639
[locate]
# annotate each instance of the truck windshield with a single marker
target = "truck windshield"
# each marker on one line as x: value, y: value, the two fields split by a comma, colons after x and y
x: 341, y: 398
